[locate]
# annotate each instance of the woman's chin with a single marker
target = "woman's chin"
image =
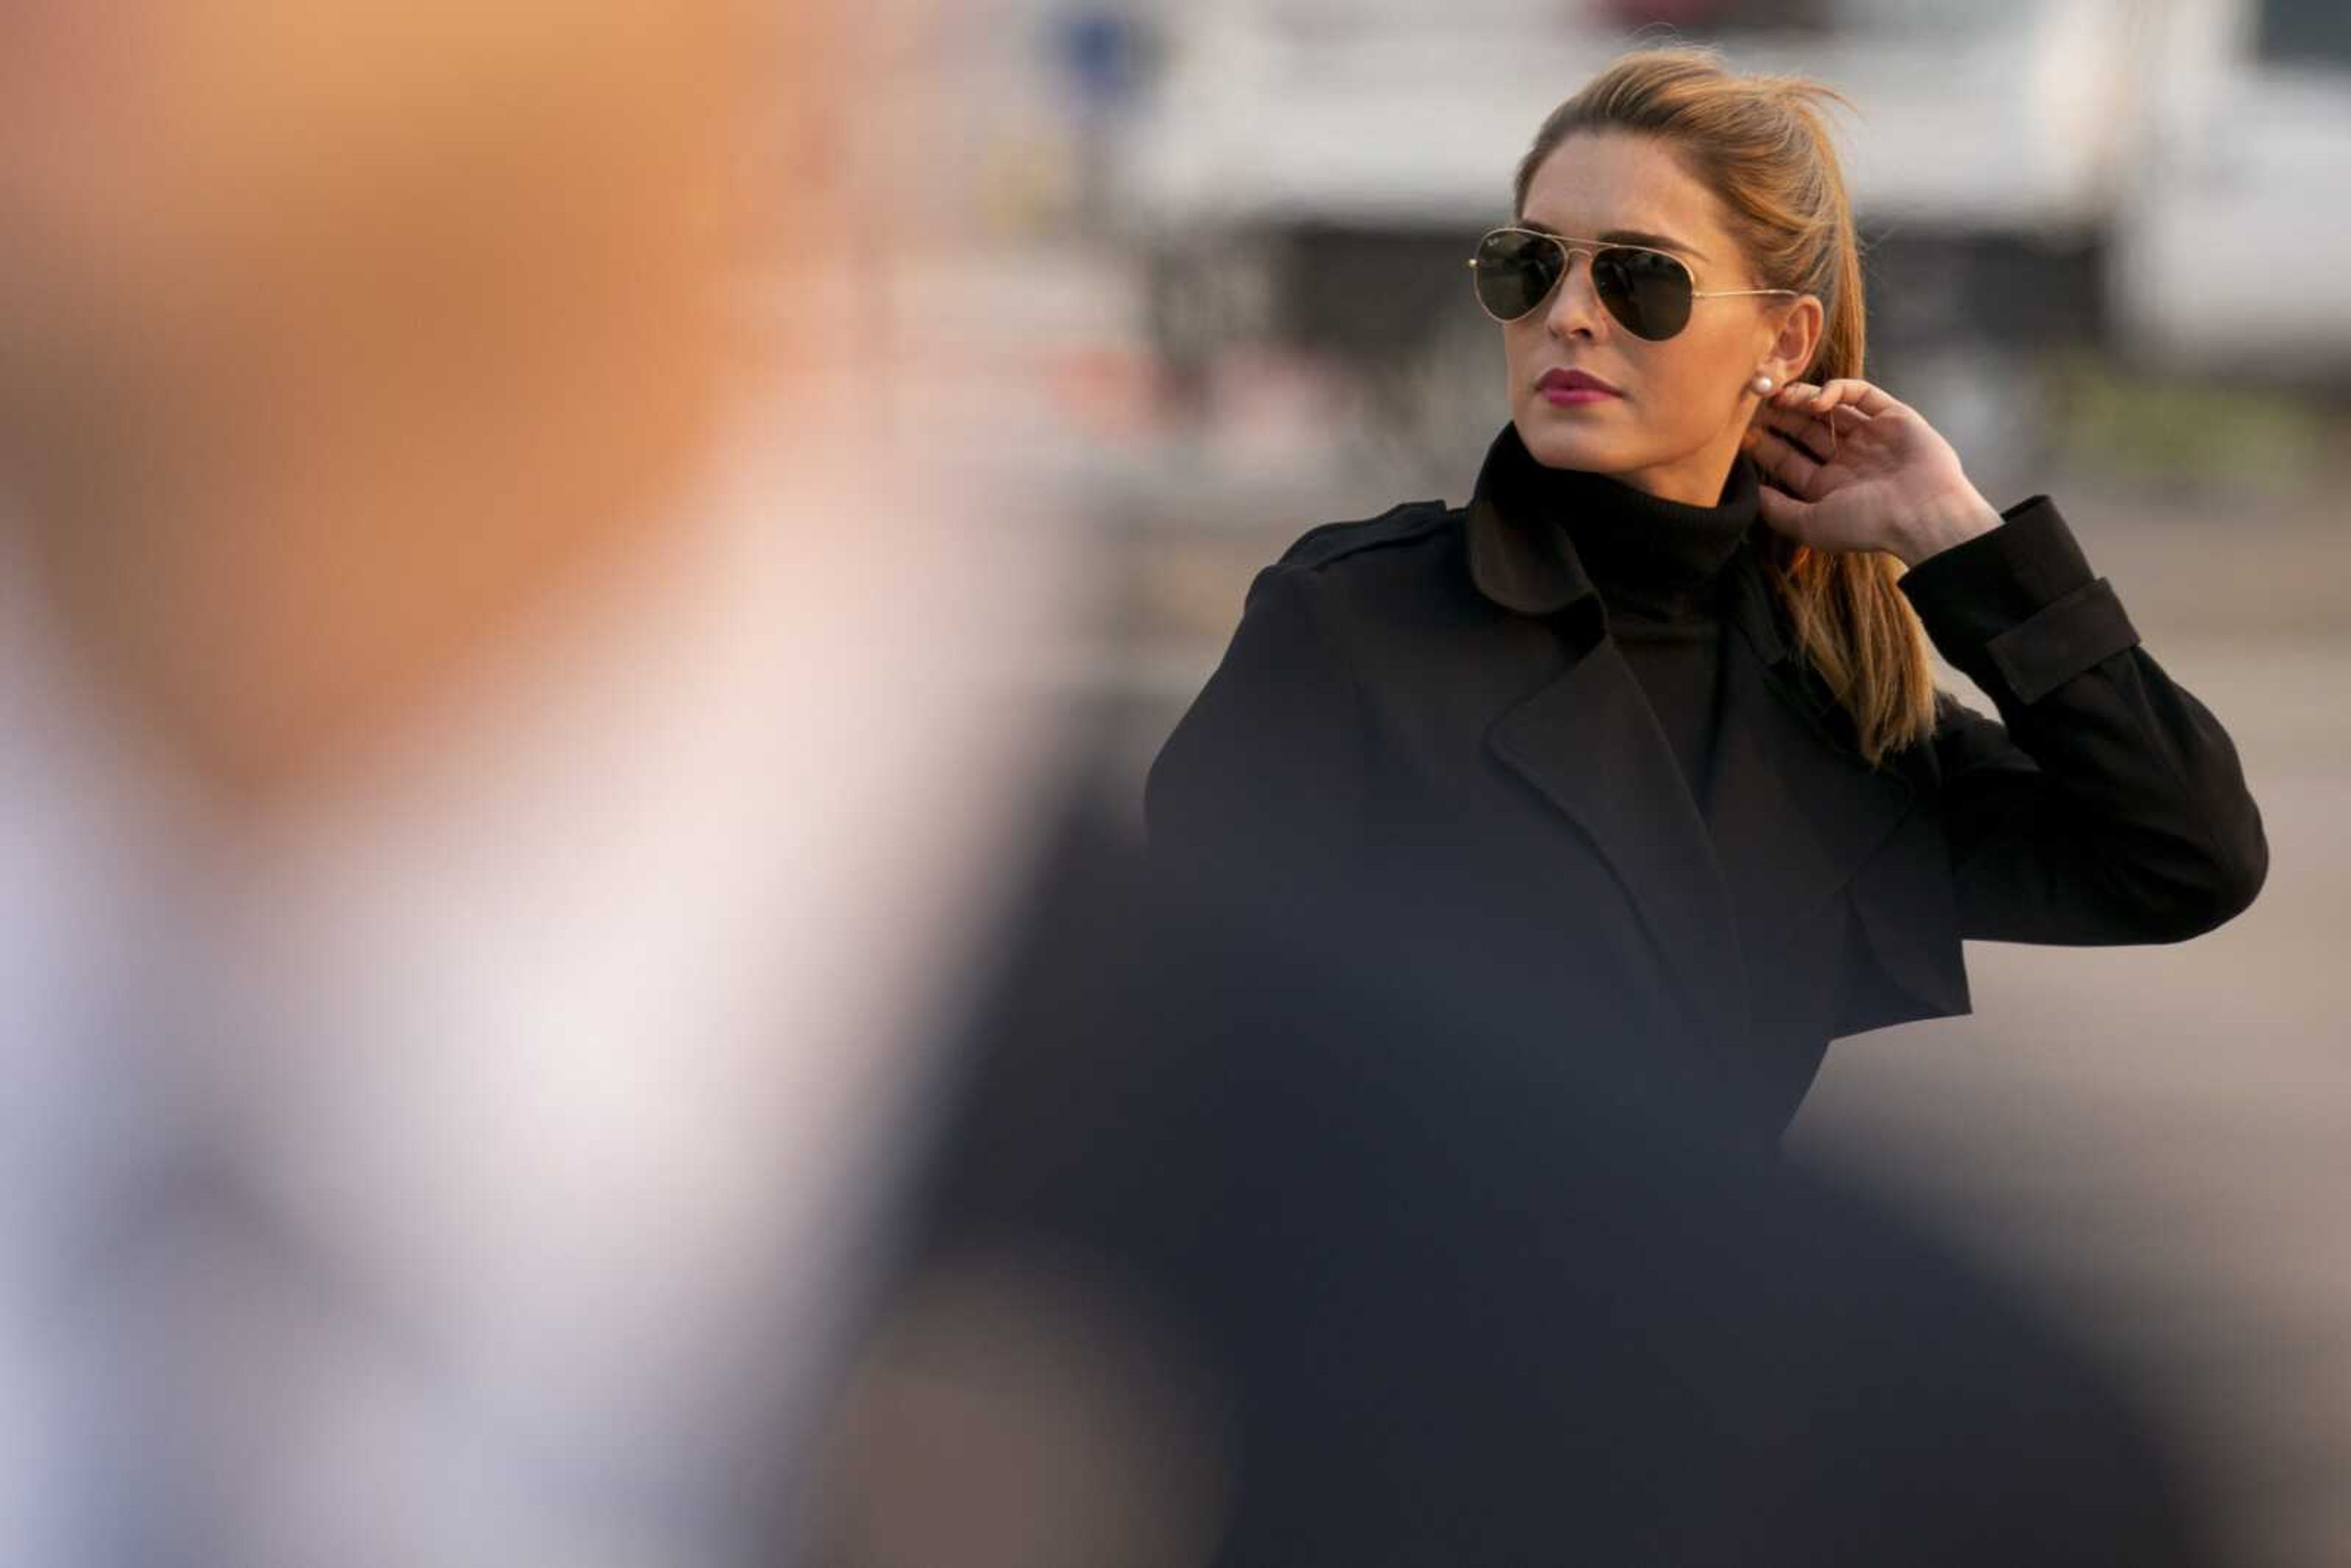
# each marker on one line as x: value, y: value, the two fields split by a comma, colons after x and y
x: 1558, y: 440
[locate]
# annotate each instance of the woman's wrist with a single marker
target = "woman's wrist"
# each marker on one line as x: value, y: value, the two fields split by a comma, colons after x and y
x: 1953, y: 521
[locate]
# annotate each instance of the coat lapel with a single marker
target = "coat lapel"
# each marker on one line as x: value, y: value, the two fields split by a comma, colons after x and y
x: 1590, y: 743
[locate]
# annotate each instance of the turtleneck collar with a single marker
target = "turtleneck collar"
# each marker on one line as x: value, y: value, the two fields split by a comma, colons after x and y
x: 1543, y: 538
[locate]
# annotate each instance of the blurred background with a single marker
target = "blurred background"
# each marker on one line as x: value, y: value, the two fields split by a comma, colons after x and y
x: 2109, y: 252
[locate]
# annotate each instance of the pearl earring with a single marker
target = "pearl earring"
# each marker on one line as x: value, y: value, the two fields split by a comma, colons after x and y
x: 1761, y: 385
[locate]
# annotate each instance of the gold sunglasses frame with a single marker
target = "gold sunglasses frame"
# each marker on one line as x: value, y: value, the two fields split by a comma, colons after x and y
x: 1570, y: 244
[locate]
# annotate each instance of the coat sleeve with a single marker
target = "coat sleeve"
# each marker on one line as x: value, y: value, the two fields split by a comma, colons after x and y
x: 2105, y: 804
x: 1268, y: 768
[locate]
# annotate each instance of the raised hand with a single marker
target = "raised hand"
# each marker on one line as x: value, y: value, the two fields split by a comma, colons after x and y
x: 1849, y: 467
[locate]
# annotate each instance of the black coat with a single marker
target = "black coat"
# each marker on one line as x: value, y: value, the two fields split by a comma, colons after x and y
x: 1236, y: 1247
x: 1434, y: 690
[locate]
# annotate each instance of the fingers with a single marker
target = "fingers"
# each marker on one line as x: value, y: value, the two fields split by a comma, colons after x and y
x: 1783, y: 462
x: 1796, y: 430
x: 1781, y: 512
x: 1846, y: 392
x: 1816, y: 434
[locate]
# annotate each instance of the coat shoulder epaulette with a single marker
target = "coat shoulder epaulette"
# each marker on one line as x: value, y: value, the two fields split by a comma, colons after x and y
x: 1397, y: 525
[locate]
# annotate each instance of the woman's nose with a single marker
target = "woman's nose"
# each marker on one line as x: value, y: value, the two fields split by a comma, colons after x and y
x: 1574, y: 303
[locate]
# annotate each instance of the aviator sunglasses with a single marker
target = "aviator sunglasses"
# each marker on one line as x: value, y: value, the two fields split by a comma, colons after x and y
x: 1650, y: 291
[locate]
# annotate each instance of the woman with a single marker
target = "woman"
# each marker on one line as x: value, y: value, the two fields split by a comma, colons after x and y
x: 1656, y: 705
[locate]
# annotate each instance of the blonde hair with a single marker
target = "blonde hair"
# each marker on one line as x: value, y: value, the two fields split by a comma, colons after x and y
x: 1761, y: 143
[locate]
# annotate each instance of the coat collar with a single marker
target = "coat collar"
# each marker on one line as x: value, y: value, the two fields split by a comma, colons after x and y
x: 1524, y: 561
x: 1521, y: 553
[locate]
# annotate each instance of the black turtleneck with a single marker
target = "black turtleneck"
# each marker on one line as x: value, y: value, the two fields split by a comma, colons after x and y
x: 1659, y: 567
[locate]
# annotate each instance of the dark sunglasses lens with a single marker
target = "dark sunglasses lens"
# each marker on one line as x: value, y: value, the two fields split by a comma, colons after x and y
x: 1514, y: 272
x: 1647, y: 291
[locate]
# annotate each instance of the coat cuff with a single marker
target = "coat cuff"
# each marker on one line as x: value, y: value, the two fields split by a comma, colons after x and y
x: 2016, y: 608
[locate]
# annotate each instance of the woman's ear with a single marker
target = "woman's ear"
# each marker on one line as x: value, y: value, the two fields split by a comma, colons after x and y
x: 1798, y: 341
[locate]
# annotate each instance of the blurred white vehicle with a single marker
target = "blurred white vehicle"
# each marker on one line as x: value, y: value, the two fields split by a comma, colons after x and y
x: 1310, y: 171
x: 2233, y: 244
x: 2007, y: 115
